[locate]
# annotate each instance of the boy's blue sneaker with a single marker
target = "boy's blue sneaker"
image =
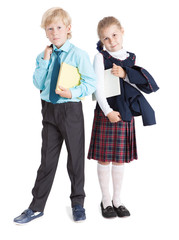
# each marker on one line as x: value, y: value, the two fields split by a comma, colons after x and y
x: 27, y: 216
x: 78, y: 213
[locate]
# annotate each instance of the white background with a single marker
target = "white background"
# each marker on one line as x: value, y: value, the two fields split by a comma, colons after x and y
x: 150, y: 184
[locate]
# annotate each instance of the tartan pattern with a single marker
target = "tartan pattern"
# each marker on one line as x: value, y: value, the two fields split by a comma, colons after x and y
x: 112, y: 142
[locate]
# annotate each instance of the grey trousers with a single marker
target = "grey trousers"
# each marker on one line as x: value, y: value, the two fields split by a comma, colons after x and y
x: 60, y: 122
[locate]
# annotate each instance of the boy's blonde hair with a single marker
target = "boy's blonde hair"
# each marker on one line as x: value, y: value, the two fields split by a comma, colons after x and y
x: 106, y: 22
x: 53, y: 15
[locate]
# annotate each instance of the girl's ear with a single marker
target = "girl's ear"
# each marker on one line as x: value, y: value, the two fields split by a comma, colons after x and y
x: 122, y: 30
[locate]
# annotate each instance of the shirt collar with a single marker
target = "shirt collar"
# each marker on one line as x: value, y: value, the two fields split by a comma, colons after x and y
x: 65, y: 47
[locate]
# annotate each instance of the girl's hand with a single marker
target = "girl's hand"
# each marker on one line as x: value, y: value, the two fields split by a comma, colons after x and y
x: 114, y: 117
x: 47, y: 53
x: 118, y: 71
x: 65, y: 92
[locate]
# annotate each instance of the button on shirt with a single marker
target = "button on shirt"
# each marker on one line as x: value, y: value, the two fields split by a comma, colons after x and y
x: 70, y: 55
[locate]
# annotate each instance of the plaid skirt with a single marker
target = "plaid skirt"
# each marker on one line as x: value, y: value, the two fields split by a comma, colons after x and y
x: 112, y: 142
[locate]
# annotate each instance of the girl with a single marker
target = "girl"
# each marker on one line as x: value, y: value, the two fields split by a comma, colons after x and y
x: 113, y: 134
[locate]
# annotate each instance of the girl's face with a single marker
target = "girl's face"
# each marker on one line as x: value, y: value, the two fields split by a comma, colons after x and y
x: 112, y: 38
x: 57, y: 33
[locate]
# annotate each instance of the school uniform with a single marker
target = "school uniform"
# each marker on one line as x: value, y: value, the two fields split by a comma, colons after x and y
x: 116, y: 142
x: 62, y: 121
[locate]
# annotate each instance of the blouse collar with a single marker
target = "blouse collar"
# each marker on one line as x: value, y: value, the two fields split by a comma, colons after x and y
x: 121, y: 54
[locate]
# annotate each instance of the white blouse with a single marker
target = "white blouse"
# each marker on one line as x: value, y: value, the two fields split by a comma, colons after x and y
x: 99, y: 70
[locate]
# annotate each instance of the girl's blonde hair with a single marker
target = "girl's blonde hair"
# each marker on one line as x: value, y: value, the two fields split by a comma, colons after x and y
x: 106, y: 22
x: 53, y: 15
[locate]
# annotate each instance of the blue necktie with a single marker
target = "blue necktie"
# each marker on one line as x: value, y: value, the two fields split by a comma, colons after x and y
x: 53, y: 97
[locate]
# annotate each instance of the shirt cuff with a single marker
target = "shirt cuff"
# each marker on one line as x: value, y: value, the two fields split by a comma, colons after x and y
x: 75, y: 92
x: 108, y: 111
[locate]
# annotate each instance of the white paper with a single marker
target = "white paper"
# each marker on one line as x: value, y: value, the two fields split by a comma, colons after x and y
x: 111, y: 85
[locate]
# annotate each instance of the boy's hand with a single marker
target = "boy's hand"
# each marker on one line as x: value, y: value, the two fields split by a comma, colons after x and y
x: 65, y: 92
x: 114, y: 117
x: 47, y: 53
x: 118, y: 71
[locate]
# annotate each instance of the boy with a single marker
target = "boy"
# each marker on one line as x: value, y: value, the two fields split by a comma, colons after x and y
x: 62, y: 115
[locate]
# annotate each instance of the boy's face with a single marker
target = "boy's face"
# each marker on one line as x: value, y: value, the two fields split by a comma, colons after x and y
x: 57, y: 33
x: 112, y: 38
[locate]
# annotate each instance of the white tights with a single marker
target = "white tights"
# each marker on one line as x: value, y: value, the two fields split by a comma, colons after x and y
x: 117, y: 172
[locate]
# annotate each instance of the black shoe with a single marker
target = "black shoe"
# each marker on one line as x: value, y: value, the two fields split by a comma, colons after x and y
x: 108, y: 212
x: 121, y: 211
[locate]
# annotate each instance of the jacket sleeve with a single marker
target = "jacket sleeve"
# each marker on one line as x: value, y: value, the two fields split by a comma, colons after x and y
x: 142, y: 79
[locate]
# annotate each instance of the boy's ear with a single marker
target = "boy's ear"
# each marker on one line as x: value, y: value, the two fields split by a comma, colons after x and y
x: 69, y: 28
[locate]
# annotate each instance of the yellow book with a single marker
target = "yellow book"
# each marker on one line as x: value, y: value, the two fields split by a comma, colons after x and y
x: 68, y: 77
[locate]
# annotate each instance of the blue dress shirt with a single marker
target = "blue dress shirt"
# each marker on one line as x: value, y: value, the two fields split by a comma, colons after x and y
x: 70, y: 55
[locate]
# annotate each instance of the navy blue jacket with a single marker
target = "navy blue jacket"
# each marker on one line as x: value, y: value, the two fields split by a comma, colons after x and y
x: 131, y: 102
